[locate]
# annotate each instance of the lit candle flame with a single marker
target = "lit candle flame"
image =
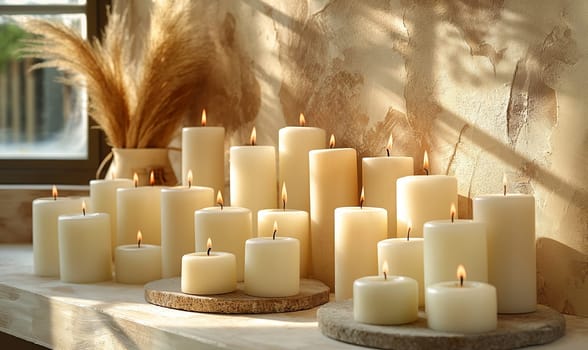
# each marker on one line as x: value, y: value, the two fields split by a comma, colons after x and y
x: 284, y: 195
x: 136, y: 179
x: 389, y: 146
x: 84, y: 207
x: 453, y: 210
x: 362, y: 197
x: 461, y: 274
x: 139, y: 238
x: 332, y: 141
x: 54, y: 192
x: 219, y: 199
x: 385, y: 269
x: 208, y: 246
x: 253, y: 137
x: 426, y: 162
x: 151, y: 178
x: 301, y: 120
x: 203, y: 118
x: 189, y: 178
x: 275, y: 229
x: 504, y: 182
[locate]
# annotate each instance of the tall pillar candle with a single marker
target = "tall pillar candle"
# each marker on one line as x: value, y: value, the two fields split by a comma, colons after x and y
x: 292, y: 223
x: 178, y: 205
x: 333, y: 184
x: 423, y: 198
x: 228, y: 227
x: 45, y: 242
x: 253, y: 177
x: 379, y: 176
x: 357, y: 233
x: 294, y: 143
x: 103, y: 200
x: 137, y: 263
x: 138, y: 208
x: 84, y: 248
x: 510, y: 222
x: 203, y: 152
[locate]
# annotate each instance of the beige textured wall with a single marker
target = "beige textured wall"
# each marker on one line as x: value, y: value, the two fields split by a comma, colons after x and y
x: 485, y: 87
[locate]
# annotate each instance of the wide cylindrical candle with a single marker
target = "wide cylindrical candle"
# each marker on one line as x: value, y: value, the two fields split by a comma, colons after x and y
x: 272, y: 267
x: 385, y: 301
x: 228, y: 228
x: 204, y: 274
x: 84, y: 248
x: 379, y: 176
x: 178, y: 205
x: 203, y: 152
x: 423, y: 198
x: 103, y: 200
x: 404, y: 258
x: 137, y: 264
x: 45, y: 242
x: 510, y: 223
x: 137, y: 209
x: 294, y: 143
x: 357, y: 233
x: 333, y: 184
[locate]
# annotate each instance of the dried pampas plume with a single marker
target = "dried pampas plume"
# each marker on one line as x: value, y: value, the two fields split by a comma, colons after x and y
x: 138, y: 102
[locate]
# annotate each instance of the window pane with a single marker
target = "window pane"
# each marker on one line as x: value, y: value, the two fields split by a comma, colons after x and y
x: 39, y: 117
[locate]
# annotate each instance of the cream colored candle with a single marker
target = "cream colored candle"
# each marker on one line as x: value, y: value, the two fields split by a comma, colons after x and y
x: 84, y: 248
x: 45, y: 242
x: 272, y: 266
x: 103, y: 200
x: 423, y: 198
x: 294, y: 143
x: 178, y: 205
x: 385, y: 300
x: 510, y: 221
x: 209, y: 272
x: 137, y: 263
x: 203, y: 152
x: 468, y: 307
x: 228, y: 227
x: 405, y: 258
x: 333, y: 184
x: 293, y: 223
x: 379, y: 176
x: 449, y: 243
x: 138, y: 208
x: 357, y: 233
x: 253, y: 177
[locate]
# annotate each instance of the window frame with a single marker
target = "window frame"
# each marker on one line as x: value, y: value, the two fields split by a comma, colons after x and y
x: 61, y: 171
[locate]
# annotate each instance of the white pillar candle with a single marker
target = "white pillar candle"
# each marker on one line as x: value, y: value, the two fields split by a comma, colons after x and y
x: 357, y: 233
x: 272, y: 267
x: 253, y: 179
x: 449, y: 243
x: 292, y: 223
x: 294, y: 143
x: 45, y: 243
x: 177, y: 224
x: 84, y: 248
x: 461, y: 308
x: 405, y: 258
x: 333, y: 184
x: 138, y: 208
x: 228, y: 227
x: 510, y: 222
x: 103, y: 200
x: 203, y: 152
x: 137, y: 263
x: 209, y: 272
x: 379, y: 176
x: 423, y: 198
x: 389, y: 300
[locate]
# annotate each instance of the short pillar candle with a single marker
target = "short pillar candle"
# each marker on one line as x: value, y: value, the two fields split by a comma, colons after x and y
x: 137, y: 263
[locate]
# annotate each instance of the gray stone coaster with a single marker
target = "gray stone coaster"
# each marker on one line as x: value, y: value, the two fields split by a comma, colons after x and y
x: 167, y: 293
x: 335, y: 320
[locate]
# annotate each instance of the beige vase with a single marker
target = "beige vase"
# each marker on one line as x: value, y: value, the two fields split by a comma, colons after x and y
x: 142, y: 161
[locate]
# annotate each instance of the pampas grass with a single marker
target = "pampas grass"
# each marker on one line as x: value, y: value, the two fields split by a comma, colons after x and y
x: 139, y: 102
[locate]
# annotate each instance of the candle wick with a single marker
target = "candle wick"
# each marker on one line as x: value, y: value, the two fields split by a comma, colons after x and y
x: 452, y: 217
x: 361, y: 200
x: 388, y: 152
x: 84, y: 211
x: 284, y: 204
x: 504, y: 192
x: 408, y: 234
x: 461, y: 281
x: 138, y: 243
x: 189, y: 184
x: 426, y: 171
x: 208, y: 251
x: 221, y: 205
x: 54, y: 197
x: 274, y: 234
x: 385, y: 276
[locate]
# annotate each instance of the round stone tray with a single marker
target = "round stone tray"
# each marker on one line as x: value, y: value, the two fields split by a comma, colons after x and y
x: 335, y: 320
x: 167, y: 292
